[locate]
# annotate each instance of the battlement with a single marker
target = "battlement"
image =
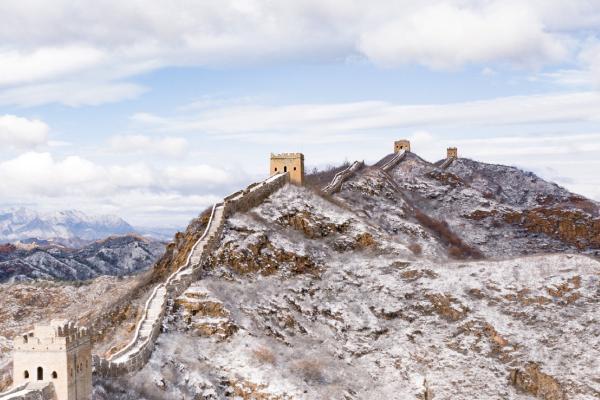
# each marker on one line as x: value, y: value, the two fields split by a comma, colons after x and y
x: 56, y: 336
x: 401, y: 145
x: 292, y: 163
x: 287, y: 155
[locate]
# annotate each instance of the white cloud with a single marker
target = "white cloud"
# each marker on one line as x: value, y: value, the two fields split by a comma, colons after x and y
x: 64, y: 48
x: 330, y: 123
x: 40, y: 174
x: 45, y: 63
x: 141, y: 144
x: 446, y: 35
x: 22, y: 132
x: 71, y: 93
x: 193, y: 176
x: 145, y: 193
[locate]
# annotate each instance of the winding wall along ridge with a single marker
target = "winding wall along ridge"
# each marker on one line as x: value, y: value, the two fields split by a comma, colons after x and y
x: 135, y: 355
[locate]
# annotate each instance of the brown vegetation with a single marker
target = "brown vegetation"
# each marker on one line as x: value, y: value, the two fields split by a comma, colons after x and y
x: 456, y: 247
x: 264, y: 355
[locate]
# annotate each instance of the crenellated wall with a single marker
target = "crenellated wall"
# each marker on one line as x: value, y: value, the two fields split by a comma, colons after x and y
x: 135, y: 355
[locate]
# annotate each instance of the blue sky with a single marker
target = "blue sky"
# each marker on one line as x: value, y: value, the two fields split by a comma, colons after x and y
x: 153, y: 112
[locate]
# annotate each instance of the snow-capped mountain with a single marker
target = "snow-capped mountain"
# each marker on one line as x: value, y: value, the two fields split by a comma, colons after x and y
x: 61, y: 226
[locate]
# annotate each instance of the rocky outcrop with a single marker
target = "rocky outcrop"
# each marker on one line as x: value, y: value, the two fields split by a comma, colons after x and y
x: 259, y: 255
x: 532, y: 380
x: 571, y: 226
x: 203, y: 314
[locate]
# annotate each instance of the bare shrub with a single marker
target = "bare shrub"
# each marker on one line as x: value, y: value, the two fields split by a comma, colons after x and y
x: 415, y: 248
x: 311, y: 370
x: 456, y: 247
x: 264, y: 355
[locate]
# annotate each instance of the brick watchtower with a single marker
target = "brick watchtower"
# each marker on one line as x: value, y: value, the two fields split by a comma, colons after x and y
x: 452, y: 152
x: 401, y: 145
x: 292, y: 163
x: 60, y: 353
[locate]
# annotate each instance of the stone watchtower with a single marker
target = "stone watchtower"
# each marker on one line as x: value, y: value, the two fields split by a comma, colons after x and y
x: 293, y: 163
x: 452, y: 152
x: 60, y: 353
x: 401, y: 145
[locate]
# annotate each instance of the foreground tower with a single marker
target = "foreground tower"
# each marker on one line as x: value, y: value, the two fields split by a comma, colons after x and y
x: 293, y: 163
x: 60, y: 353
x: 452, y: 152
x: 401, y: 145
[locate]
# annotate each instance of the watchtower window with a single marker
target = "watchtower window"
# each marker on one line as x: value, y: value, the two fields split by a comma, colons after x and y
x: 275, y: 169
x: 294, y: 168
x: 285, y: 169
x: 54, y: 375
x: 40, y: 374
x: 26, y: 374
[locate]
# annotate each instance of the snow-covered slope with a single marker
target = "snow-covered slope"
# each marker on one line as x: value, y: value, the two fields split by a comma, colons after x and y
x: 352, y: 297
x: 22, y: 223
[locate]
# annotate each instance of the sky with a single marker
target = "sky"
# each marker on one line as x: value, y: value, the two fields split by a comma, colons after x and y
x: 154, y: 110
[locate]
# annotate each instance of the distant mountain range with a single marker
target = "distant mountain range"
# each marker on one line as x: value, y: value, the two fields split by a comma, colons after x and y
x: 70, y: 228
x: 115, y: 255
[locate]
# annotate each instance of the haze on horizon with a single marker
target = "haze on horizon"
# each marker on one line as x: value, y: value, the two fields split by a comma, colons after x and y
x: 152, y: 111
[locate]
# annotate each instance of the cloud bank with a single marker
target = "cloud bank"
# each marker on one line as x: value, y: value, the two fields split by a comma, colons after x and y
x: 67, y: 50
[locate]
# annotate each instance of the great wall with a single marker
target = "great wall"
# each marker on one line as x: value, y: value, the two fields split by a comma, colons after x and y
x: 285, y: 168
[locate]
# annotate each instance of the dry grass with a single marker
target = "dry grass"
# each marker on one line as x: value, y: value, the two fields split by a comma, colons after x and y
x: 264, y: 355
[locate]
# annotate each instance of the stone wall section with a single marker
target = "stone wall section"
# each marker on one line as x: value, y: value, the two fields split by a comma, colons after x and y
x: 342, y: 176
x: 135, y: 355
x: 394, y: 161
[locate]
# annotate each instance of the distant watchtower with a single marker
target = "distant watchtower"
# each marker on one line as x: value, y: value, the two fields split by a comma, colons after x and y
x: 60, y: 353
x: 293, y: 163
x: 401, y: 145
x: 452, y: 152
